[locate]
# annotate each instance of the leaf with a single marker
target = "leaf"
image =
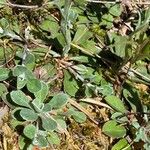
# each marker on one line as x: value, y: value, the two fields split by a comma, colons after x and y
x: 30, y: 61
x: 112, y: 129
x: 58, y: 100
x: 70, y: 84
x: 37, y: 105
x: 90, y: 47
x: 47, y: 108
x: 41, y: 94
x: 50, y: 25
x: 81, y: 35
x: 131, y: 95
x: 3, y: 89
x: 82, y: 59
x: 79, y: 117
x: 106, y: 89
x: 61, y: 123
x: 53, y: 138
x: 116, y: 10
x: 4, y: 74
x: 81, y: 3
x: 22, y: 142
x: 2, y: 4
x: 41, y: 141
x: 29, y: 131
x: 21, y: 82
x: 107, y: 20
x: 121, y: 144
x: 20, y: 98
x: 121, y: 46
x: 28, y: 114
x: 34, y: 85
x: 23, y: 72
x: 116, y: 103
x: 48, y: 123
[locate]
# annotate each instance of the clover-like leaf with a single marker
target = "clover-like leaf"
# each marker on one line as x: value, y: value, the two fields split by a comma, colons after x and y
x: 70, y: 84
x: 48, y: 123
x: 30, y: 61
x: 4, y: 74
x: 116, y: 103
x: 79, y: 117
x: 47, y: 108
x: 59, y: 100
x: 116, y: 10
x: 53, y: 138
x: 28, y: 114
x: 22, y: 142
x: 29, y: 131
x: 21, y: 82
x: 41, y: 141
x: 112, y: 129
x: 3, y: 89
x: 20, y: 98
x: 34, y: 85
x: 41, y: 94
x: 22, y: 71
x: 121, y: 144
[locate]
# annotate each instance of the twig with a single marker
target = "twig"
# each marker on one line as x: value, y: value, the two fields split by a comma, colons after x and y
x: 82, y: 49
x: 138, y: 74
x: 79, y: 107
x: 20, y: 6
x: 102, y: 2
x: 118, y: 1
x: 98, y: 103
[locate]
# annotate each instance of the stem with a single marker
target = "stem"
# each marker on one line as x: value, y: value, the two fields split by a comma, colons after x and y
x: 118, y: 1
x: 20, y: 6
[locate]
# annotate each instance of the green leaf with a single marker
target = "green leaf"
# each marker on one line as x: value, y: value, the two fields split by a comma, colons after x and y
x: 21, y: 142
x: 41, y: 94
x: 4, y: 74
x: 20, y: 98
x: 70, y: 84
x: 80, y: 3
x: 21, y: 82
x: 3, y: 2
x: 107, y: 20
x: 50, y: 25
x: 47, y: 108
x: 58, y: 100
x: 132, y: 96
x: 3, y: 89
x: 23, y: 72
x: 112, y: 129
x: 29, y: 131
x: 53, y: 138
x: 116, y: 103
x: 121, y: 144
x: 82, y: 59
x: 48, y: 123
x: 37, y: 104
x: 79, y: 117
x: 28, y: 114
x: 61, y: 123
x: 121, y: 46
x: 116, y: 10
x: 90, y: 47
x: 41, y: 141
x: 107, y: 89
x: 30, y: 61
x: 34, y: 85
x: 82, y: 34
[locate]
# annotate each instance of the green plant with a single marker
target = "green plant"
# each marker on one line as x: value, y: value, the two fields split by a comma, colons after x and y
x: 57, y: 56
